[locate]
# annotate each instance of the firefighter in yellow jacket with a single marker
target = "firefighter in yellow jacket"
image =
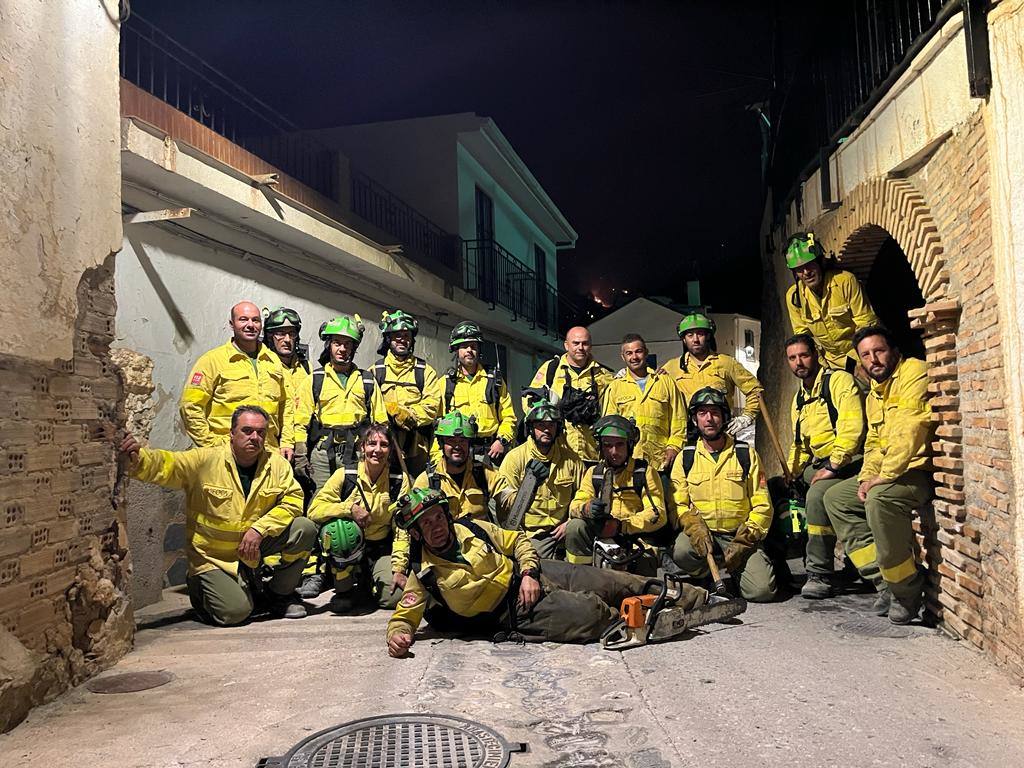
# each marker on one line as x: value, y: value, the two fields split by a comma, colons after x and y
x: 701, y: 365
x: 558, y: 472
x: 722, y: 502
x: 477, y: 392
x: 340, y: 401
x: 872, y: 513
x: 281, y: 331
x: 825, y: 302
x: 620, y: 504
x: 580, y: 383
x: 480, y: 580
x: 404, y: 380
x: 241, y: 372
x: 242, y: 506
x: 828, y: 434
x: 359, y: 545
x: 467, y: 483
x: 652, y: 401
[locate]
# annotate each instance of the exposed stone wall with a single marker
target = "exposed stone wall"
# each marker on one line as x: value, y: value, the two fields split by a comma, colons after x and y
x: 64, y: 608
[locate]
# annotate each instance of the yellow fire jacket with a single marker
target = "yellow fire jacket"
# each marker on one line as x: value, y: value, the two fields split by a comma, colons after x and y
x: 375, y: 497
x: 467, y: 499
x: 225, y: 378
x: 550, y: 505
x: 593, y: 376
x: 719, y: 371
x: 818, y: 439
x: 341, y: 405
x: 899, y: 422
x: 638, y: 513
x: 469, y: 588
x: 217, y: 512
x: 717, y: 488
x: 658, y: 411
x: 297, y: 382
x: 399, y: 387
x: 493, y: 420
x: 834, y: 318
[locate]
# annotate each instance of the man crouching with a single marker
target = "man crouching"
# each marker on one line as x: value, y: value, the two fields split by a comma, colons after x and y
x: 478, y: 579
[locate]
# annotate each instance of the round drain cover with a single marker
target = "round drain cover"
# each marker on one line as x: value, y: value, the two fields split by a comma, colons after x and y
x: 871, y: 627
x: 400, y: 741
x: 129, y: 682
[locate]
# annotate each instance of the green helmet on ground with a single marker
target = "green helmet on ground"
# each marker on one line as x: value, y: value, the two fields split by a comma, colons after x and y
x: 616, y: 426
x: 350, y: 326
x: 398, y: 320
x: 281, y: 317
x: 710, y: 396
x: 543, y: 410
x: 410, y: 507
x: 342, y: 541
x: 695, y: 321
x: 464, y: 332
x: 455, y: 424
x: 803, y: 248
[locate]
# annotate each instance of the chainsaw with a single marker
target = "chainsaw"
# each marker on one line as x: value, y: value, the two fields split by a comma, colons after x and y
x: 654, y: 618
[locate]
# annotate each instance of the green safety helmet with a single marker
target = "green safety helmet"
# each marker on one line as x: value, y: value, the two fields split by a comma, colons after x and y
x: 342, y: 541
x: 398, y: 320
x: 803, y: 248
x: 343, y: 325
x: 616, y: 426
x: 463, y: 332
x: 710, y: 396
x: 455, y: 424
x: 543, y: 410
x: 695, y: 321
x: 281, y: 317
x: 411, y: 506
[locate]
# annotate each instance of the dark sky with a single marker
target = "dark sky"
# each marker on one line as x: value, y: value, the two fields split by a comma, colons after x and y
x: 630, y: 114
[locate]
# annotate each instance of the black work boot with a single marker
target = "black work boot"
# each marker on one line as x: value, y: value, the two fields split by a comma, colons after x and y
x: 286, y: 606
x: 884, y: 600
x: 817, y: 587
x: 904, y: 612
x: 312, y: 585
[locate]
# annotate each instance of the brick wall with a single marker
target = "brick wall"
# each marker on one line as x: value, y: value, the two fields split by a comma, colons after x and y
x: 64, y: 611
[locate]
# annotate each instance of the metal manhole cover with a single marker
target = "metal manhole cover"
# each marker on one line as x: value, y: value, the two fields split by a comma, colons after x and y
x: 870, y: 627
x: 400, y: 741
x: 129, y: 682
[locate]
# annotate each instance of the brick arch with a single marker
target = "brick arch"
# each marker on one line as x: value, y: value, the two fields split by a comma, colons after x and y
x: 880, y: 208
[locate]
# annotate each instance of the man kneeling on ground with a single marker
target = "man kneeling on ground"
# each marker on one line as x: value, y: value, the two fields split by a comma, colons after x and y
x: 479, y: 579
x: 243, y: 504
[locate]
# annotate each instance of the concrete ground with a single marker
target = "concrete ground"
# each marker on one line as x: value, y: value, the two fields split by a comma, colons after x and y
x: 794, y: 684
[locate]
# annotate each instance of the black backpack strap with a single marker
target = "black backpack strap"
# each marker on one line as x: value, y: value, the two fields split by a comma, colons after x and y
x: 318, y: 385
x: 480, y: 476
x: 427, y: 578
x: 395, y: 482
x: 551, y: 372
x: 491, y: 388
x: 479, y: 532
x: 433, y: 478
x: 369, y: 383
x: 743, y: 456
x: 419, y: 372
x: 682, y: 363
x: 380, y: 371
x: 449, y: 391
x: 826, y: 395
x: 640, y: 476
x: 689, y: 455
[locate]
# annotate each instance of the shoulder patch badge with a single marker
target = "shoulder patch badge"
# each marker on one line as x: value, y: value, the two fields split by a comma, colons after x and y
x: 197, y: 379
x: 409, y: 599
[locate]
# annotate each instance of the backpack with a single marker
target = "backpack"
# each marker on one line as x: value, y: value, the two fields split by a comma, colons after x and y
x: 639, y: 477
x: 479, y: 476
x: 742, y: 455
x: 494, y: 383
x: 316, y: 430
x: 426, y: 576
x: 419, y: 372
x: 826, y: 396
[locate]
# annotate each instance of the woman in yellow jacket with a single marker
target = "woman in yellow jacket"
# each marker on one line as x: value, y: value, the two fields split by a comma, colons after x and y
x: 363, y: 496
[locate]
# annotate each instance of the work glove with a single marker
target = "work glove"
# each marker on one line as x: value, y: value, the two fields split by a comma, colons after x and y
x: 697, y: 532
x: 538, y: 469
x: 596, y: 509
x: 300, y: 460
x: 400, y: 415
x: 738, y: 424
x: 742, y: 546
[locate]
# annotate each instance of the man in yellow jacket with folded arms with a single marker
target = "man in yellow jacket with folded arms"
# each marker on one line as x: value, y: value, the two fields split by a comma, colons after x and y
x: 243, y: 504
x: 872, y: 513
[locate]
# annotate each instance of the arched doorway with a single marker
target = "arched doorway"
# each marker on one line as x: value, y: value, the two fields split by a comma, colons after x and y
x: 893, y: 290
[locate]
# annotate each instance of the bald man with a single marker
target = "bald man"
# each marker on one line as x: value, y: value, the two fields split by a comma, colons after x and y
x: 580, y: 382
x: 241, y: 371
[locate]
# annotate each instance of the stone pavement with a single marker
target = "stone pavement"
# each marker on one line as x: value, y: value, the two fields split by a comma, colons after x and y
x: 794, y: 684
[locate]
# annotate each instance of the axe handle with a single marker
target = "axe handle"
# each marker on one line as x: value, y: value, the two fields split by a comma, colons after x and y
x: 719, y: 584
x: 393, y: 436
x: 773, y: 438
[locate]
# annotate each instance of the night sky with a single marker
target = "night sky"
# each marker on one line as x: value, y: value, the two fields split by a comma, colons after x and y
x: 631, y: 115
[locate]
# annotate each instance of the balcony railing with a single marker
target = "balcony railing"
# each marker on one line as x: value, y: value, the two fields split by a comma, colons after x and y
x: 423, y: 240
x: 494, y: 275
x: 861, y: 47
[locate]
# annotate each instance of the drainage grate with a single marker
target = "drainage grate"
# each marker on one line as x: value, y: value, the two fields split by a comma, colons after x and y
x: 129, y: 682
x: 400, y: 741
x: 872, y: 627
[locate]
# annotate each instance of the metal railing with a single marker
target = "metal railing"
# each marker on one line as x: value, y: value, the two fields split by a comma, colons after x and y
x: 861, y: 48
x: 494, y: 275
x: 421, y: 238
